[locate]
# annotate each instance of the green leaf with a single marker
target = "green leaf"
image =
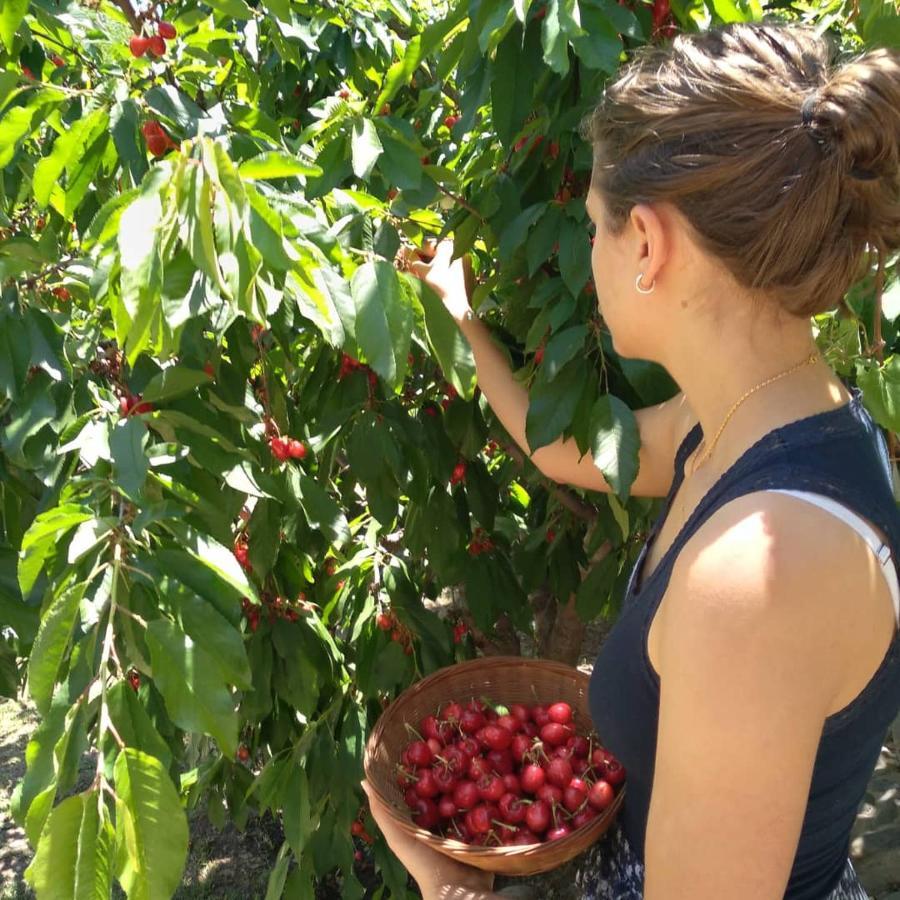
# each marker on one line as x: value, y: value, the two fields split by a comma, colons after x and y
x: 173, y: 382
x: 320, y: 509
x: 275, y: 164
x: 446, y: 340
x: 615, y: 443
x: 68, y: 149
x: 561, y: 348
x: 51, y: 643
x: 221, y: 640
x: 191, y: 684
x: 383, y: 319
x: 295, y: 805
x: 594, y: 589
x: 141, y: 279
x: 151, y: 828
x: 11, y: 14
x: 126, y: 443
x: 574, y: 255
x: 175, y: 106
x: 75, y: 851
x: 881, y: 392
x: 552, y: 405
x: 365, y: 147
x: 513, y: 81
x: 21, y: 121
x: 400, y: 164
x: 134, y: 725
x: 42, y: 537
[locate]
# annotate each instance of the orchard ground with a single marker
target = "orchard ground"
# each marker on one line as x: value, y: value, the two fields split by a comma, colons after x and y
x: 233, y: 864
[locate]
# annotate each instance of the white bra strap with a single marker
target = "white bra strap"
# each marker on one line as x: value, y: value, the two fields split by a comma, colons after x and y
x: 882, y: 550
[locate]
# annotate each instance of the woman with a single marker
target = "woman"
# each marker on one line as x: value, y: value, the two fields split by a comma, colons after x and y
x: 739, y: 180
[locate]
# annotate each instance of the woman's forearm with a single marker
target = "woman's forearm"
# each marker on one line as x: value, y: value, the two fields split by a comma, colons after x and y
x: 507, y: 398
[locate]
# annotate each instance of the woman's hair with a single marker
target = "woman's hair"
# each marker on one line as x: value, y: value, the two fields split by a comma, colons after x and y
x: 785, y: 164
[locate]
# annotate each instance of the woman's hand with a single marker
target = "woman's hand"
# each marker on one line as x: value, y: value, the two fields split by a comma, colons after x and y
x: 437, y: 875
x: 447, y: 277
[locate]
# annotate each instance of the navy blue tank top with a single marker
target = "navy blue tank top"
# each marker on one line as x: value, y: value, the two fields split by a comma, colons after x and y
x: 842, y: 454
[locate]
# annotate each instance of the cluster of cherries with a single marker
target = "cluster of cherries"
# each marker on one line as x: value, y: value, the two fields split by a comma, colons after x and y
x: 287, y: 448
x: 458, y: 475
x: 490, y: 777
x: 481, y: 543
x: 275, y: 606
x: 158, y: 141
x: 132, y: 403
x: 388, y: 621
x: 156, y: 44
x: 349, y: 364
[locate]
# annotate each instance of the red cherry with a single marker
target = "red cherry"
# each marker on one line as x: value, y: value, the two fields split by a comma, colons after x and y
x: 471, y: 721
x: 532, y: 778
x: 57, y: 60
x: 426, y: 813
x: 459, y: 473
x: 512, y: 809
x: 479, y: 819
x: 560, y: 712
x: 559, y: 772
x: 586, y: 815
x: 426, y: 786
x: 158, y: 144
x: 450, y: 121
x: 465, y: 794
x: 512, y: 784
x: 615, y: 772
x: 554, y: 734
x: 451, y: 712
x: 521, y: 744
x: 445, y: 779
x: 357, y: 828
x: 138, y: 45
x: 344, y: 94
x: 575, y: 795
x: 560, y: 831
x: 490, y: 787
x: 243, y: 753
x: 601, y: 794
x: 134, y: 679
x: 167, y: 30
x: 497, y: 737
x: 580, y: 746
x: 208, y: 368
x: 537, y: 816
x: 455, y: 760
x: 538, y: 356
x: 296, y: 449
x: 410, y: 797
x: 500, y: 761
x: 540, y: 716
x: 434, y: 745
x: 446, y: 807
x: 469, y: 746
x: 384, y: 622
x: 550, y: 793
x: 520, y: 711
x: 419, y: 754
x: 156, y: 45
x: 477, y: 768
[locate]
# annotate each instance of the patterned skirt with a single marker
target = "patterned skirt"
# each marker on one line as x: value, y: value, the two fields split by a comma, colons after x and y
x: 612, y: 871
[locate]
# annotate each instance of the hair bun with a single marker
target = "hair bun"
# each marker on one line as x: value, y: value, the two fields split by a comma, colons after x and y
x: 860, y: 106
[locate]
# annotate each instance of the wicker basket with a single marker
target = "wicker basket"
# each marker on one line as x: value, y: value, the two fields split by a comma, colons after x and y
x: 505, y: 679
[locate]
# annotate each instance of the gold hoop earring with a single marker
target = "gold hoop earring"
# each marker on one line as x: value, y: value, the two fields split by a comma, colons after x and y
x: 640, y: 290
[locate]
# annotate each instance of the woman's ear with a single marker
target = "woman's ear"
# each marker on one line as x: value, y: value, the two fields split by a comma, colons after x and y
x: 651, y: 239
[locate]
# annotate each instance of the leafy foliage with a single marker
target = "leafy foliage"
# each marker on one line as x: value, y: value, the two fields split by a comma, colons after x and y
x: 232, y: 431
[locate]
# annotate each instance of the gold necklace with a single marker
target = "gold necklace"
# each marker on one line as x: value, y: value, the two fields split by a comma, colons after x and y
x: 806, y: 362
